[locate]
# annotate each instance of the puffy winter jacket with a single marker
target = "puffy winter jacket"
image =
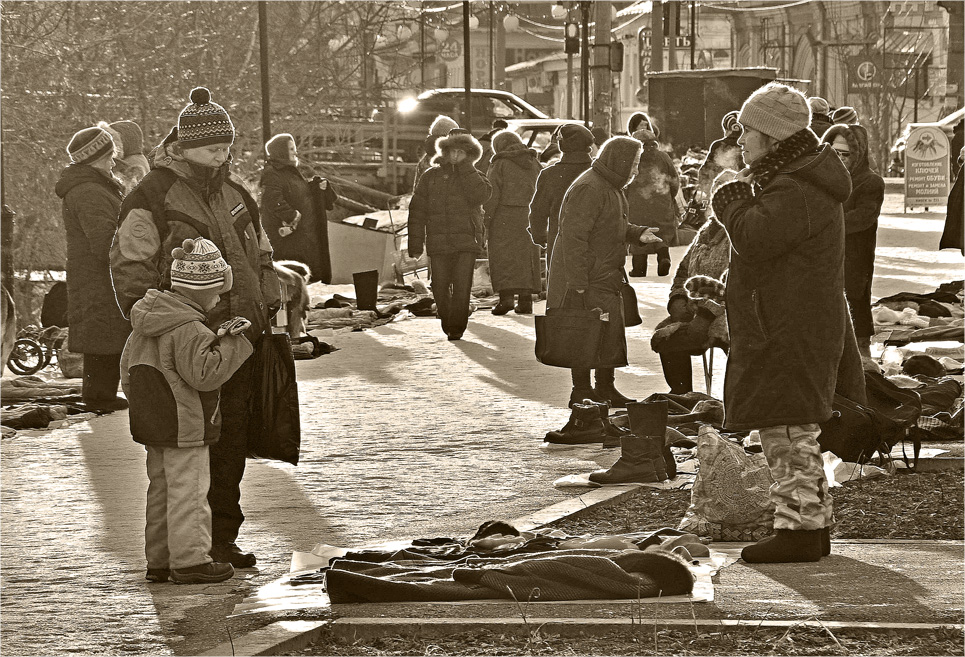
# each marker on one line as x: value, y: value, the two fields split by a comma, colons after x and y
x: 172, y: 370
x: 445, y: 214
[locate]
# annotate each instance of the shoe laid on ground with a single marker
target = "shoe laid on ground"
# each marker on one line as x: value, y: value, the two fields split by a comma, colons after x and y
x: 205, y: 573
x: 157, y: 574
x: 786, y: 546
x: 584, y: 427
x: 231, y: 553
x: 106, y: 405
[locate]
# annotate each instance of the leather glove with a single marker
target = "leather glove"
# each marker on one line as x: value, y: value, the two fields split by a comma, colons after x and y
x: 234, y: 326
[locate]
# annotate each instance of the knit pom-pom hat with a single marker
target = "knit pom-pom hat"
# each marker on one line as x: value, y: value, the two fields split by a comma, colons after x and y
x: 505, y: 140
x: 846, y: 114
x: 203, y: 122
x: 89, y: 145
x: 198, y: 265
x: 442, y: 125
x: 777, y: 110
x: 575, y: 138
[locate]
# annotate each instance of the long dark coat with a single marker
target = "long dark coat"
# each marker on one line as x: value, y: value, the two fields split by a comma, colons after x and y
x: 591, y: 248
x: 651, y: 197
x: 513, y: 258
x: 551, y: 186
x: 786, y: 309
x: 91, y: 201
x: 285, y: 191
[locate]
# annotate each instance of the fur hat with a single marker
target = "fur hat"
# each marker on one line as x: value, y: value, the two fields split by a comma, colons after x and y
x: 730, y: 123
x: 198, y: 265
x: 459, y: 141
x: 505, y: 140
x: 277, y: 147
x: 89, y: 145
x: 575, y: 138
x: 442, y: 125
x: 818, y: 105
x: 845, y: 114
x: 777, y: 110
x: 204, y: 123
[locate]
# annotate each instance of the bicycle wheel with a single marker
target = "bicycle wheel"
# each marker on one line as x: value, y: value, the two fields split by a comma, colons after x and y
x: 27, y: 357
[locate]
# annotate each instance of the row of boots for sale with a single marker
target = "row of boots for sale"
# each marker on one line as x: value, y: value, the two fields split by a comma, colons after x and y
x: 645, y: 455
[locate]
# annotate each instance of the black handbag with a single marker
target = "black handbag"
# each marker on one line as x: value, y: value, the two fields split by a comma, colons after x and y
x: 274, y: 428
x: 570, y: 337
x: 631, y: 310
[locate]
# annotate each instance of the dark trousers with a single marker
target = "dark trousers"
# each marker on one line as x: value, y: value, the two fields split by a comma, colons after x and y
x: 451, y: 287
x: 228, y: 455
x: 102, y: 374
x: 677, y: 371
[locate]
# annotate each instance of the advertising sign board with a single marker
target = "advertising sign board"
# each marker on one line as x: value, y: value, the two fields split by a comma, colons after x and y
x: 926, y: 167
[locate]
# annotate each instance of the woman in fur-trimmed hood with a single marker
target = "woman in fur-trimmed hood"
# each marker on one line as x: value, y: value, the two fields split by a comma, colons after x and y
x: 791, y: 339
x: 861, y: 212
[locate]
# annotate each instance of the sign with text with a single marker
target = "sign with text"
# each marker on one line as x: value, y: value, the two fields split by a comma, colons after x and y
x: 926, y: 167
x: 864, y: 74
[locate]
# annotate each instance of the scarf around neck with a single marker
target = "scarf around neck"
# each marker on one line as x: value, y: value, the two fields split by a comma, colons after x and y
x: 800, y: 143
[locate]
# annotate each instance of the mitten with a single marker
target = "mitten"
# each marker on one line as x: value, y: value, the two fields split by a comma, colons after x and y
x: 234, y: 326
x: 705, y: 287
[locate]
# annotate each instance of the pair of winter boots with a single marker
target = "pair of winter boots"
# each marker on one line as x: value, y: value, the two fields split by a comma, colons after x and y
x: 645, y: 455
x: 790, y: 546
x: 524, y: 305
x: 589, y: 423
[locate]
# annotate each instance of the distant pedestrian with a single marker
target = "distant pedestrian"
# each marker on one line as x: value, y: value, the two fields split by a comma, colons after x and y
x: 791, y: 342
x: 441, y: 126
x: 513, y: 258
x: 845, y: 114
x: 172, y: 371
x: 295, y: 208
x: 641, y: 120
x: 446, y: 220
x: 589, y: 259
x: 861, y: 212
x: 190, y: 194
x: 91, y: 200
x: 724, y: 153
x: 820, y: 115
x: 130, y: 164
x: 652, y: 198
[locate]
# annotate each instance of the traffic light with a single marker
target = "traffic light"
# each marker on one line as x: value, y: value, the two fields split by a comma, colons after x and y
x: 571, y: 41
x: 616, y: 56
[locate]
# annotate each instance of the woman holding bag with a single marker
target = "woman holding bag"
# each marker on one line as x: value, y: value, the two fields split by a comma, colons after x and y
x: 589, y: 258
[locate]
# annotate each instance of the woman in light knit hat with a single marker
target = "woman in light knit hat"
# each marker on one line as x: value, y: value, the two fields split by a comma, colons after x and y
x: 792, y: 344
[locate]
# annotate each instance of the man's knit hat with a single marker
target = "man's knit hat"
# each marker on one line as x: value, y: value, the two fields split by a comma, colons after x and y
x: 198, y: 265
x: 575, y: 138
x: 818, y: 105
x: 846, y: 114
x: 442, y: 125
x: 505, y: 140
x: 89, y: 145
x: 127, y: 135
x: 777, y: 110
x: 203, y: 123
x: 277, y: 146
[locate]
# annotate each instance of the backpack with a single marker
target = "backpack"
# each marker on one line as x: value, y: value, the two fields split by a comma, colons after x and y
x: 856, y: 431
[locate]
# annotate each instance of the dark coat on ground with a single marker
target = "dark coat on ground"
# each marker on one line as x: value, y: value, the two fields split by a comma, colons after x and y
x: 591, y: 248
x: 651, y: 197
x: 786, y: 309
x: 513, y: 258
x: 91, y: 201
x: 861, y: 212
x: 284, y: 192
x: 551, y: 186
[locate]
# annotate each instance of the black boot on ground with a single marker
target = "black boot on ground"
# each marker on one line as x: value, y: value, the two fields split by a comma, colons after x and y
x: 606, y: 390
x: 584, y: 427
x: 505, y: 303
x: 611, y: 432
x: 786, y: 546
x: 650, y: 419
x: 524, y: 304
x: 636, y: 464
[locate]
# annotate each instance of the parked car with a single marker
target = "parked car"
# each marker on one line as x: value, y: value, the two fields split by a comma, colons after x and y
x: 538, y: 133
x: 896, y: 166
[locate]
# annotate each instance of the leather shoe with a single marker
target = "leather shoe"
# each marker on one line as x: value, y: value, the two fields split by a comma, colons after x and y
x: 231, y: 553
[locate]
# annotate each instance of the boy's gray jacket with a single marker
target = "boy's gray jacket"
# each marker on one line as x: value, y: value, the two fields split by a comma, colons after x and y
x: 172, y: 370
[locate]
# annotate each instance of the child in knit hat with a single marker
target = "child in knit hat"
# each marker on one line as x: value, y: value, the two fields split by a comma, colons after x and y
x: 172, y: 370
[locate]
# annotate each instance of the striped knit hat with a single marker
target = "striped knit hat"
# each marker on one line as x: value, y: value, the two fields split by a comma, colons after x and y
x: 203, y: 123
x: 730, y: 123
x: 777, y: 110
x: 845, y: 114
x: 198, y: 265
x: 89, y: 145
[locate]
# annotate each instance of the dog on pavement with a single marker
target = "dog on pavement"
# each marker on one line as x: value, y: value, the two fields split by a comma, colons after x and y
x: 294, y: 277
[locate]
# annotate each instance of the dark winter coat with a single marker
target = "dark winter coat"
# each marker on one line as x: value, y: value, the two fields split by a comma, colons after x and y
x: 591, y: 249
x: 861, y: 212
x: 725, y: 153
x: 284, y: 192
x: 953, y: 236
x: 651, y: 197
x: 172, y: 371
x: 820, y: 124
x: 91, y: 201
x: 176, y: 201
x: 551, y: 186
x: 513, y: 258
x: 786, y: 309
x: 445, y: 214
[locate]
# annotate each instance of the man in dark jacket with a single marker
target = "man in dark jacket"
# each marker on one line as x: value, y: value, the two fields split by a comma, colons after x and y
x: 446, y: 219
x: 91, y: 198
x: 820, y: 115
x: 788, y: 318
x: 190, y: 194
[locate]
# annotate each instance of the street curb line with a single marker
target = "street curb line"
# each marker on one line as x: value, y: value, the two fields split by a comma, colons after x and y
x: 279, y: 637
x: 354, y: 629
x: 574, y: 506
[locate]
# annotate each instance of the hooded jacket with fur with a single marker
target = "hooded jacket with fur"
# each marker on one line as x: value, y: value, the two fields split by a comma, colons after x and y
x: 172, y: 370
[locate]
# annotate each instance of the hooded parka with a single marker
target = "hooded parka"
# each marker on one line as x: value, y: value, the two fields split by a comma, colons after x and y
x: 91, y: 200
x: 591, y: 249
x: 790, y: 332
x: 513, y: 258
